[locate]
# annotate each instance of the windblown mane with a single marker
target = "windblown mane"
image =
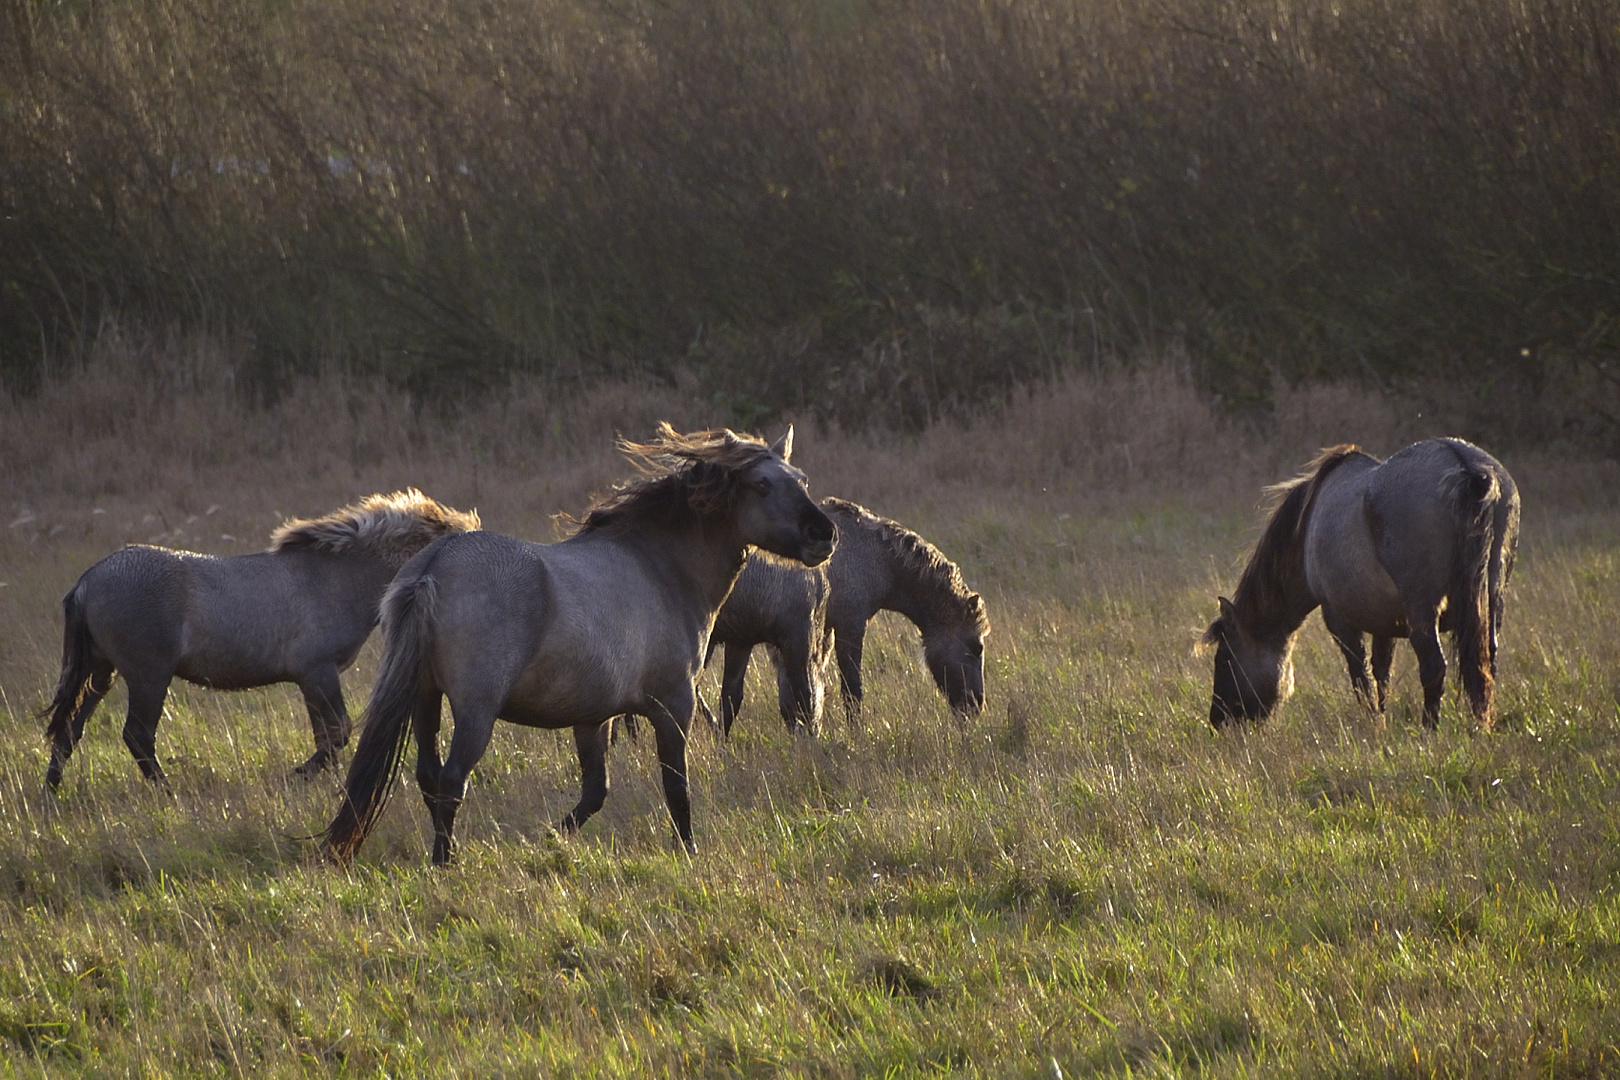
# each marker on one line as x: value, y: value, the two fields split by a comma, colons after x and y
x: 940, y: 584
x: 697, y: 473
x: 394, y: 527
x: 1276, y: 569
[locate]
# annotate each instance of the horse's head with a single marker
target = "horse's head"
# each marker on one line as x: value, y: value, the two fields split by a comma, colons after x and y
x: 1252, y: 677
x: 775, y: 511
x: 955, y: 657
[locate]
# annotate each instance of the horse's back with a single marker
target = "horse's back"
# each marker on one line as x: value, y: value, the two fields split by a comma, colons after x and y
x: 1420, y: 506
x: 1420, y: 503
x: 1342, y: 565
x: 859, y: 573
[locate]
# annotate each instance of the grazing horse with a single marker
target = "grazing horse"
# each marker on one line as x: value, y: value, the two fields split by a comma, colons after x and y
x: 613, y: 620
x: 1421, y: 543
x: 296, y: 613
x: 880, y: 565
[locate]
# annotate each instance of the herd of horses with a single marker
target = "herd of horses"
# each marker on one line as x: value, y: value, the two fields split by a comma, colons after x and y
x: 716, y: 542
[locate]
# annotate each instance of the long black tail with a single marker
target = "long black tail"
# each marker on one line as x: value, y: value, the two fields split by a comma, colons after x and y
x: 76, y: 669
x: 407, y: 620
x: 1468, y: 599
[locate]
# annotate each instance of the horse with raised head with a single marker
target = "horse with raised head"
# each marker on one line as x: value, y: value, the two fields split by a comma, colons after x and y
x: 1405, y: 548
x: 880, y: 565
x: 614, y: 620
x: 296, y: 613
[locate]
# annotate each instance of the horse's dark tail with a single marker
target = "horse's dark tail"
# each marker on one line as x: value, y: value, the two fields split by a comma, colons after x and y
x: 74, y: 682
x: 407, y: 620
x: 1469, y: 599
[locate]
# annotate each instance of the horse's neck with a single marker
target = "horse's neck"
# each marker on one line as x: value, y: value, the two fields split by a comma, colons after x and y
x: 366, y: 570
x: 1273, y: 609
x: 909, y: 597
x: 698, y: 556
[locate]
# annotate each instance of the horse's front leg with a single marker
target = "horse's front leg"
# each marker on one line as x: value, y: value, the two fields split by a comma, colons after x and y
x: 732, y: 683
x: 1431, y: 662
x: 1383, y: 656
x: 591, y: 742
x: 848, y: 643
x: 798, y: 686
x: 328, y: 718
x: 671, y: 720
x: 1352, y: 647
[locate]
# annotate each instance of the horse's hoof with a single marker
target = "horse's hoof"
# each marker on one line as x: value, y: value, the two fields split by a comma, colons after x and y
x: 314, y: 766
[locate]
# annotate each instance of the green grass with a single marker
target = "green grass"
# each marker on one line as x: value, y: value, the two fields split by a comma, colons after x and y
x: 1084, y: 880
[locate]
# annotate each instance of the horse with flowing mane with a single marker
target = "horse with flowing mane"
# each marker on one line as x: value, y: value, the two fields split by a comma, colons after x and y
x: 296, y: 613
x: 1405, y: 548
x: 611, y: 621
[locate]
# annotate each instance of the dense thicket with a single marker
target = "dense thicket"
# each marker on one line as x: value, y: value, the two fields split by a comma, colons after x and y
x: 881, y: 208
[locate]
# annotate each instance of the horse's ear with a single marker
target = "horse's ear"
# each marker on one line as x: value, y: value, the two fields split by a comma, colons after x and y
x: 783, y: 447
x: 1227, y: 610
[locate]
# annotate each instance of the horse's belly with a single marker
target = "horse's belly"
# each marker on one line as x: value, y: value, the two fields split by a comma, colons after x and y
x: 225, y: 669
x: 557, y: 696
x: 1365, y: 597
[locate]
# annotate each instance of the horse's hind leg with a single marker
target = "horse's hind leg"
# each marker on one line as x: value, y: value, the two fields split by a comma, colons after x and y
x: 328, y: 719
x: 1352, y: 647
x: 473, y: 728
x: 670, y: 724
x: 67, y: 739
x: 1431, y: 662
x: 146, y: 698
x: 732, y: 683
x: 590, y: 740
x: 1383, y: 656
x: 425, y: 720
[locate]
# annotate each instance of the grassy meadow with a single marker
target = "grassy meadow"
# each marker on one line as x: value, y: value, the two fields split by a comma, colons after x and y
x: 1086, y: 879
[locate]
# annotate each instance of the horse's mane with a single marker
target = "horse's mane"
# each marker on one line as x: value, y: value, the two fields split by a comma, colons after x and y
x: 942, y: 588
x: 1276, y: 569
x: 394, y: 527
x: 696, y: 473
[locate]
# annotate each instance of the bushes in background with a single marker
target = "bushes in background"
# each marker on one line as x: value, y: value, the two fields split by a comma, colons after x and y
x: 882, y: 209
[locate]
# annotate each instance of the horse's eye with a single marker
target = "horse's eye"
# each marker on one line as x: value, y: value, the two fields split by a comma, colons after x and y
x: 762, y: 486
x: 976, y: 648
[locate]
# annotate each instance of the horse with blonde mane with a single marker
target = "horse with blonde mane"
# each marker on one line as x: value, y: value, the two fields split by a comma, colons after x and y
x: 296, y: 613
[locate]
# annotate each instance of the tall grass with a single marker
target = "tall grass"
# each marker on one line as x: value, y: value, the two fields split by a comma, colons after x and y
x: 787, y: 203
x: 1084, y: 880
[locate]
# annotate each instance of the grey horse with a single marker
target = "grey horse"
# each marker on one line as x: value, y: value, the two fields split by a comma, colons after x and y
x: 613, y: 620
x: 1408, y: 547
x: 880, y: 565
x: 782, y: 606
x: 296, y: 613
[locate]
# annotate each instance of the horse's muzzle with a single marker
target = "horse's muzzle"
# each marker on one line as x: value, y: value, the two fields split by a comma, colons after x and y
x: 816, y: 552
x: 818, y: 536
